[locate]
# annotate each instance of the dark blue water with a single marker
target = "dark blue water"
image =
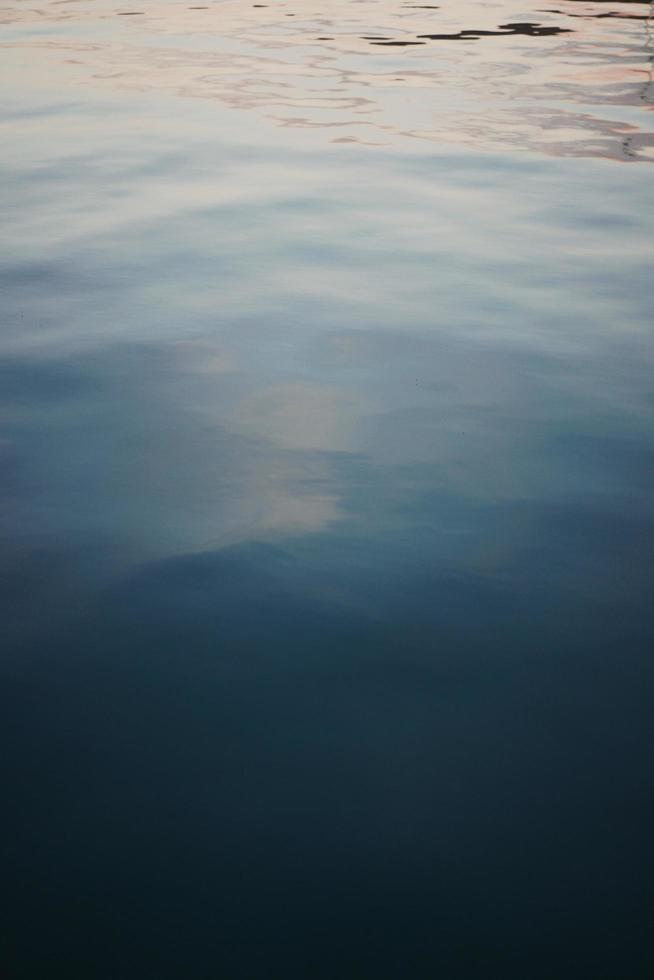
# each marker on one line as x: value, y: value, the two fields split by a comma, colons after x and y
x: 326, y: 372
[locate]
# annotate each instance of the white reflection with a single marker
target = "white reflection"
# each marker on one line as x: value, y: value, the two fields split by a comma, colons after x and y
x: 304, y: 416
x: 574, y: 80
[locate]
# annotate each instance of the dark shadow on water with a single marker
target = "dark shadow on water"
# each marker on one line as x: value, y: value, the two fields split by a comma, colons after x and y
x: 526, y: 29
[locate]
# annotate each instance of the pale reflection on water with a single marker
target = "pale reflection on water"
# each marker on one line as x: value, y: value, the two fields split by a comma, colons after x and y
x: 574, y: 80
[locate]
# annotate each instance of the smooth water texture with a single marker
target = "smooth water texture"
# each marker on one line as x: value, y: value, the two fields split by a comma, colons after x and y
x: 326, y: 370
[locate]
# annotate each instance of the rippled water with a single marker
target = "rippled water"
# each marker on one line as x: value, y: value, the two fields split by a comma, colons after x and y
x: 570, y: 81
x: 326, y: 373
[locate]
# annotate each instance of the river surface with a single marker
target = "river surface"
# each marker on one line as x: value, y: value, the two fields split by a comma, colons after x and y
x: 326, y: 472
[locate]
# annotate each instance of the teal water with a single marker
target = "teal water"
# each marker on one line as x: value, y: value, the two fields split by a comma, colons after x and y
x: 327, y: 425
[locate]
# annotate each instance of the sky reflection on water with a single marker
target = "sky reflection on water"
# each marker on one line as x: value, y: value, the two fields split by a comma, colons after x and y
x: 326, y: 490
x: 573, y: 80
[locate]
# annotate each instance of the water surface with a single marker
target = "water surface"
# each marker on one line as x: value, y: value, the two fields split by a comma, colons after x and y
x: 327, y: 413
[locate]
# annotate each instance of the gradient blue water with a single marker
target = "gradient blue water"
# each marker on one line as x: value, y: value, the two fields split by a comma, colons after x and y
x: 327, y: 503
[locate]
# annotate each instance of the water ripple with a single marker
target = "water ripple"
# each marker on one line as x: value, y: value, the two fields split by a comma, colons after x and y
x: 575, y: 80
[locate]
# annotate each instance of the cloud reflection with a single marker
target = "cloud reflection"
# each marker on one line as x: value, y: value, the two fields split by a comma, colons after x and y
x: 560, y: 81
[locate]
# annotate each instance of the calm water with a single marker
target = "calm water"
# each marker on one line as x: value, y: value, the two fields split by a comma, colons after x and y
x: 327, y: 451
